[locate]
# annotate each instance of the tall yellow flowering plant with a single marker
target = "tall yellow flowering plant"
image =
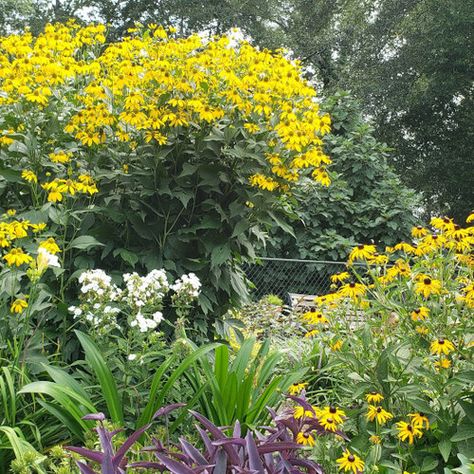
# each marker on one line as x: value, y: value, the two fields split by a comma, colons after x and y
x: 396, y: 339
x: 178, y: 147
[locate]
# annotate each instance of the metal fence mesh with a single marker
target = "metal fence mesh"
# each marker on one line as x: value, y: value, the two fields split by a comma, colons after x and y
x: 281, y: 277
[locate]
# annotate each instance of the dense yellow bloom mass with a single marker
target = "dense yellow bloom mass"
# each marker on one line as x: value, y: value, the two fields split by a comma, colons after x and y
x: 148, y: 87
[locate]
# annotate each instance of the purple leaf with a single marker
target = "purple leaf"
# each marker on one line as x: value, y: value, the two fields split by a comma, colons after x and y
x: 168, y: 409
x: 174, y: 466
x: 207, y: 442
x: 95, y: 456
x: 237, y: 430
x: 192, y: 452
x: 311, y: 466
x: 301, y: 401
x: 128, y: 443
x: 84, y: 468
x: 222, y: 442
x: 221, y: 462
x: 255, y: 462
x: 94, y: 416
x: 148, y: 465
x: 277, y: 447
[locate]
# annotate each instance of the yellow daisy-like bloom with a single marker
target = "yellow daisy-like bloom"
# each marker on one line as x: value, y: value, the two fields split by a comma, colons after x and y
x: 374, y: 439
x: 470, y: 218
x: 55, y: 196
x: 441, y: 346
x: 17, y: 257
x: 442, y: 363
x: 340, y: 277
x: 11, y: 212
x: 60, y: 157
x: 300, y: 412
x: 419, y: 232
x: 296, y: 388
x: 408, y: 432
x: 362, y: 252
x: 332, y: 412
x: 306, y: 439
x: 312, y: 333
x: 18, y: 306
x: 420, y: 314
x: 374, y: 397
x: 378, y: 413
x: 350, y: 462
x: 329, y: 424
x: 315, y: 317
x: 427, y: 286
x: 419, y: 420
x: 352, y: 290
x: 50, y: 245
x: 423, y: 330
x: 29, y: 176
x: 337, y: 345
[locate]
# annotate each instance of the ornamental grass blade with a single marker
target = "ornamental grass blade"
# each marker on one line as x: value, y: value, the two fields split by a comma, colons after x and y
x: 104, y: 375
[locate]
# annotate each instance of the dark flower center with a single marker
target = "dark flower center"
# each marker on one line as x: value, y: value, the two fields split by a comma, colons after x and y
x: 421, y: 414
x: 332, y: 410
x: 373, y: 393
x: 360, y: 246
x: 440, y: 341
x: 352, y: 285
x: 351, y: 458
x: 427, y: 281
x: 410, y: 428
x: 306, y: 435
x: 330, y: 420
x: 417, y: 311
x: 379, y: 409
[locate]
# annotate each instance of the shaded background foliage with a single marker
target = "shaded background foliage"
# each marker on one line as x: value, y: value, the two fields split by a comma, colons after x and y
x: 409, y: 63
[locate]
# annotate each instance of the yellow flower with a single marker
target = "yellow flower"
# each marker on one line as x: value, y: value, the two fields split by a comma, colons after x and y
x: 362, y: 252
x: 336, y: 346
x: 60, y: 157
x: 419, y: 232
x: 11, y: 212
x: 55, y: 196
x: 312, y: 333
x: 340, y: 277
x: 441, y: 346
x: 379, y: 414
x: 29, y: 176
x: 352, y: 290
x: 442, y: 363
x: 406, y: 431
x: 329, y: 424
x: 332, y: 412
x: 374, y: 439
x: 306, y: 439
x: 420, y: 314
x: 350, y: 462
x: 296, y: 388
x: 374, y: 397
x: 423, y: 330
x: 50, y: 245
x: 315, y: 317
x: 419, y: 420
x: 427, y: 286
x: 300, y: 412
x: 470, y: 218
x: 17, y: 257
x: 18, y: 306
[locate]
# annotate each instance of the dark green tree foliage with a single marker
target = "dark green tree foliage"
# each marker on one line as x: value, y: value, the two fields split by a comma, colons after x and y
x: 366, y: 200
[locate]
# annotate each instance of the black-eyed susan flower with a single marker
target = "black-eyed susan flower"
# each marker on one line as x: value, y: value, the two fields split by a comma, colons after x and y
x: 420, y: 420
x: 340, y: 277
x: 419, y: 231
x: 374, y: 397
x: 427, y: 286
x: 352, y: 290
x: 18, y: 306
x: 441, y: 346
x: 296, y: 388
x: 470, y: 218
x: 29, y: 176
x: 315, y: 317
x: 329, y: 424
x: 362, y: 252
x: 422, y: 330
x: 378, y: 413
x: 442, y: 363
x: 305, y: 438
x: 333, y: 412
x: 301, y: 412
x: 350, y: 462
x: 420, y: 314
x: 312, y: 333
x: 408, y: 432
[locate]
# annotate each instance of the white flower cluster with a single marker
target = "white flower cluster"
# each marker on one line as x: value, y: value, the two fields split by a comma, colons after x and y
x: 96, y: 284
x: 147, y: 290
x: 147, y: 322
x: 186, y: 289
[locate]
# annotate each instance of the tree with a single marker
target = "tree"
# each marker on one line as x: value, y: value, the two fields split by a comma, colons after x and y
x: 365, y: 202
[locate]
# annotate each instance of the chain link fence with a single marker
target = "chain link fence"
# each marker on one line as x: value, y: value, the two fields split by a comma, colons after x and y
x: 283, y: 277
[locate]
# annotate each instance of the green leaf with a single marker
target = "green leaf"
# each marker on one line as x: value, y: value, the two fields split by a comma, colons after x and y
x: 444, y: 447
x: 84, y: 242
x: 220, y: 255
x: 107, y: 383
x: 429, y: 464
x: 465, y: 431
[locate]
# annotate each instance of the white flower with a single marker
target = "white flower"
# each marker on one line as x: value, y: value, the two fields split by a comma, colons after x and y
x: 132, y: 356
x: 158, y: 317
x: 46, y: 259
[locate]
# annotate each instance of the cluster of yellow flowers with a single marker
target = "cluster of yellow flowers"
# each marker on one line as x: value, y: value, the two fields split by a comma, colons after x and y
x: 149, y: 86
x: 13, y: 231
